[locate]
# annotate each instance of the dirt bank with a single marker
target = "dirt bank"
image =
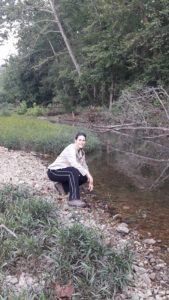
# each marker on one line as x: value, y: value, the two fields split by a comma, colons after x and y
x: 150, y: 277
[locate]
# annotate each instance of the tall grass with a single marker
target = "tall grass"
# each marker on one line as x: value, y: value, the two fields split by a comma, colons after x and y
x: 97, y: 271
x: 73, y: 254
x: 24, y: 133
x: 30, y: 218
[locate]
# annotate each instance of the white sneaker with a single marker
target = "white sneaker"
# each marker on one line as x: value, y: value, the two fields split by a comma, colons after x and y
x: 77, y: 203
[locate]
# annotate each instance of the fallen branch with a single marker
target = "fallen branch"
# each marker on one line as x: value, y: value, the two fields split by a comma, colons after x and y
x: 155, y: 136
x: 130, y: 127
x: 146, y: 128
x: 8, y: 230
x: 140, y: 156
x: 115, y: 126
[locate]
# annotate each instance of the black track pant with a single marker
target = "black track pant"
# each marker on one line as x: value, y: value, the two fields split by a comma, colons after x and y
x: 70, y: 178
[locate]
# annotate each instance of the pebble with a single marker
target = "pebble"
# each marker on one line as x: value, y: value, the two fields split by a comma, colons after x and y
x: 149, y: 241
x: 152, y: 260
x: 152, y: 276
x: 159, y: 267
x: 123, y: 228
x: 158, y: 297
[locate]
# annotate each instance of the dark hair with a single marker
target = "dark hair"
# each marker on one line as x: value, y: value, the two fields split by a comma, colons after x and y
x: 79, y: 134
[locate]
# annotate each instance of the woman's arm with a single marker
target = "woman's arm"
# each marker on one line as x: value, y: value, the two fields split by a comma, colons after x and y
x: 70, y: 155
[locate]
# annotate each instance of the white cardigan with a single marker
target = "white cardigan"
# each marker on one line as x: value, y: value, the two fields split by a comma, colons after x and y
x: 71, y: 157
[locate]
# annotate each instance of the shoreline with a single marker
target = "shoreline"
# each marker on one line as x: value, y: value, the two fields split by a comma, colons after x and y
x: 150, y: 276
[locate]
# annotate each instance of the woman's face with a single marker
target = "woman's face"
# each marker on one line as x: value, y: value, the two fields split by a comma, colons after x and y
x: 80, y: 142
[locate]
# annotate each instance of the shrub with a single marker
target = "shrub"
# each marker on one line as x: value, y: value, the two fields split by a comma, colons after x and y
x: 22, y: 108
x: 36, y: 110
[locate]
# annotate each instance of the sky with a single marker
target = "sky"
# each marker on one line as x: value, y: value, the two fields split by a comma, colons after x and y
x: 7, y: 49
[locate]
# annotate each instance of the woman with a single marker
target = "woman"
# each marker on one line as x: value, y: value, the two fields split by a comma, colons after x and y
x: 70, y: 169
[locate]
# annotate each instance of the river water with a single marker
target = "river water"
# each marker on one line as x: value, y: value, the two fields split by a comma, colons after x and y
x: 129, y: 181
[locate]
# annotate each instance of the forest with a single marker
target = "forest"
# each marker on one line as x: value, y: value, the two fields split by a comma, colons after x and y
x: 83, y: 52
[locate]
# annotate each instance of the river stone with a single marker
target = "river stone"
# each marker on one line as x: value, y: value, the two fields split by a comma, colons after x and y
x: 159, y: 267
x: 158, y: 297
x: 135, y: 297
x: 123, y: 228
x: 152, y: 260
x: 149, y: 241
x: 152, y: 276
x: 139, y: 270
x: 149, y: 293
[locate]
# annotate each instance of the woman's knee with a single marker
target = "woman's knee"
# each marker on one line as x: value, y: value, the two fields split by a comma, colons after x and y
x: 51, y: 175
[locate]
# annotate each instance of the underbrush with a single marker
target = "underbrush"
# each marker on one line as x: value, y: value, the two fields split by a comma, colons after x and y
x: 35, y: 110
x: 24, y: 133
x: 32, y: 231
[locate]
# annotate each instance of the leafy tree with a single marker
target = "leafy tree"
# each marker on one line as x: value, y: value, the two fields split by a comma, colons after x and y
x: 81, y: 52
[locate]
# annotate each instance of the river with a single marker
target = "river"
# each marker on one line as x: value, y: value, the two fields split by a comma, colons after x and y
x: 125, y: 181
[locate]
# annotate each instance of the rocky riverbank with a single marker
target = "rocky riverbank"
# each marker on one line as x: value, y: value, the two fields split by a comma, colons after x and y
x: 150, y: 276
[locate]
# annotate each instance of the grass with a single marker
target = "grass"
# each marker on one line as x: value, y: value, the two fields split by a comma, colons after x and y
x: 98, y: 272
x: 75, y: 254
x: 29, y: 217
x: 26, y: 133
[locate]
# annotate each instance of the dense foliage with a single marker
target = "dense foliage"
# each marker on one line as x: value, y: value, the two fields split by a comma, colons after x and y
x: 85, y: 52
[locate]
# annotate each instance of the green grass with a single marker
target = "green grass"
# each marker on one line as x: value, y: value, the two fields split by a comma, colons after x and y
x: 30, y: 134
x: 97, y: 271
x: 78, y: 254
x: 30, y: 218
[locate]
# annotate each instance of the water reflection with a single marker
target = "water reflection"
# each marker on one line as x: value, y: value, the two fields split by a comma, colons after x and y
x: 124, y: 180
x: 146, y: 163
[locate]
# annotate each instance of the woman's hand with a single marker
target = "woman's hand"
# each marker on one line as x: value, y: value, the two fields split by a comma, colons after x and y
x: 90, y: 182
x: 90, y: 187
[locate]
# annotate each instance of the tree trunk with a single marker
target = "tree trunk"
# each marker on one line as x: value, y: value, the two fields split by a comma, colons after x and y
x: 111, y: 95
x: 77, y: 67
x: 94, y: 93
